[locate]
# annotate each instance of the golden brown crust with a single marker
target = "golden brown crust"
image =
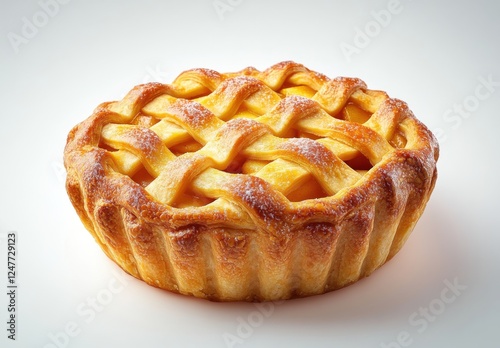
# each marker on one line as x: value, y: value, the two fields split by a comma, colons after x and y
x: 251, y: 185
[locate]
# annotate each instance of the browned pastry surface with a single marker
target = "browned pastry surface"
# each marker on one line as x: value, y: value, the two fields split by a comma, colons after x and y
x: 251, y: 185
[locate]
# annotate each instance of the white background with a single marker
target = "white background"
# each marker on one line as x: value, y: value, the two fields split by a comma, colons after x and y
x: 431, y: 54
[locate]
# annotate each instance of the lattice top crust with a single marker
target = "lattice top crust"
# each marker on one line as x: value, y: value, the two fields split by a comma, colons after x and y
x: 256, y: 150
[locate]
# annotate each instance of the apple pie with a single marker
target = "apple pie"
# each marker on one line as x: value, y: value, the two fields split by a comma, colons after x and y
x: 251, y: 185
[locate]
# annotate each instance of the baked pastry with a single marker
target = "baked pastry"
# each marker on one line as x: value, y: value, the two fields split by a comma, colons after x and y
x: 253, y: 185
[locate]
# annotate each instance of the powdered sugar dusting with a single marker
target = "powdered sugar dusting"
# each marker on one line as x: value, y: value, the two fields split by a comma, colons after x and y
x: 243, y: 127
x: 135, y: 197
x: 259, y: 196
x: 297, y: 104
x: 211, y: 74
x: 190, y: 112
x: 349, y: 81
x: 313, y: 151
x: 241, y: 83
x: 145, y: 140
x: 243, y: 80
